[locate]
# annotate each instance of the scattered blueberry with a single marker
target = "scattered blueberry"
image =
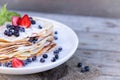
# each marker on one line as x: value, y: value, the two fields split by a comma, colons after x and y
x: 25, y: 62
x: 55, y: 32
x: 8, y: 64
x: 79, y: 65
x: 45, y: 55
x: 39, y: 26
x: 83, y: 70
x: 29, y: 60
x: 34, y: 58
x: 42, y: 60
x: 56, y: 52
x: 86, y: 68
x: 60, y: 48
x: 0, y: 64
x: 33, y: 22
x: 53, y: 59
x: 55, y: 38
x: 22, y: 29
x: 56, y: 56
x: 33, y: 39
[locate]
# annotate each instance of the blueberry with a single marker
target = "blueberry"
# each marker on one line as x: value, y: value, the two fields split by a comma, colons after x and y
x: 29, y: 60
x: 17, y: 28
x: 42, y: 60
x: 5, y: 32
x: 53, y: 59
x: 33, y: 22
x: 60, y: 48
x: 30, y: 18
x: 39, y: 26
x: 55, y: 38
x: 16, y: 33
x: 0, y: 64
x: 9, y: 33
x: 55, y: 32
x: 34, y: 58
x: 45, y: 55
x: 56, y: 52
x: 83, y: 70
x: 8, y: 64
x: 56, y: 56
x: 12, y: 30
x: 25, y: 62
x: 35, y: 38
x: 86, y: 68
x: 79, y: 64
x: 9, y: 26
x: 22, y: 29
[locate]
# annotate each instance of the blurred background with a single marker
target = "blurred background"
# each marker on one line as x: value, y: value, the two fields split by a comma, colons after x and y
x: 101, y: 8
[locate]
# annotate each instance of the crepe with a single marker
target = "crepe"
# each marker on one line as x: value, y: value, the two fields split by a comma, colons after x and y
x: 22, y: 48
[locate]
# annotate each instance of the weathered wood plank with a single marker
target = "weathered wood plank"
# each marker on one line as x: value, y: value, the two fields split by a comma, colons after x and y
x: 108, y: 63
x: 107, y: 78
x: 99, y: 41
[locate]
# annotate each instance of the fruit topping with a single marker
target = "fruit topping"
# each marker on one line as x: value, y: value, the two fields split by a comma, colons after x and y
x: 33, y: 39
x: 15, y: 20
x: 16, y: 63
x: 25, y: 21
x: 39, y: 26
x: 33, y: 22
x: 45, y: 55
x: 42, y: 60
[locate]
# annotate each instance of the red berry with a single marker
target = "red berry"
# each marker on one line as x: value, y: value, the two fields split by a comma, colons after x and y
x: 15, y: 20
x: 16, y: 63
x: 25, y: 21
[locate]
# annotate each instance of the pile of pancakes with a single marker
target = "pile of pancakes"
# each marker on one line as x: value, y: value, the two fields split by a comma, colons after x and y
x: 23, y: 48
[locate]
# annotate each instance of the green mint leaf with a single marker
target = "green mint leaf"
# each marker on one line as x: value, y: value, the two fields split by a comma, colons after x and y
x: 3, y: 10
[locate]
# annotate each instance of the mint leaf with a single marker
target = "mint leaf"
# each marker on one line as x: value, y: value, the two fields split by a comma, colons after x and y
x: 5, y: 15
x: 3, y: 10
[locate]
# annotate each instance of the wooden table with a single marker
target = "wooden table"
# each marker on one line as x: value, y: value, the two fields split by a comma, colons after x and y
x: 99, y: 47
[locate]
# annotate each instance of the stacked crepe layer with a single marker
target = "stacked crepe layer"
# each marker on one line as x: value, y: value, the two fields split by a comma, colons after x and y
x: 23, y: 49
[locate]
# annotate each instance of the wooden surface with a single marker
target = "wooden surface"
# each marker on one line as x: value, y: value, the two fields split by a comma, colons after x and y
x: 99, y: 47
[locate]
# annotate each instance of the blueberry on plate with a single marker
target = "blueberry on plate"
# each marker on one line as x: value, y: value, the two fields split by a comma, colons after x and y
x: 42, y: 60
x: 25, y: 62
x: 60, y: 48
x: 29, y: 60
x: 55, y: 32
x: 56, y: 52
x: 39, y: 26
x: 53, y: 59
x: 34, y: 58
x: 57, y: 56
x: 45, y: 56
x: 33, y: 22
x: 22, y: 29
x: 55, y: 38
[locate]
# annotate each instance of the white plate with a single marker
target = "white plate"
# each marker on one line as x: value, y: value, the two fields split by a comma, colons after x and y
x: 67, y: 39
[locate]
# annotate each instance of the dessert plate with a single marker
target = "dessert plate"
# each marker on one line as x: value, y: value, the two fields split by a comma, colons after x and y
x: 67, y: 39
